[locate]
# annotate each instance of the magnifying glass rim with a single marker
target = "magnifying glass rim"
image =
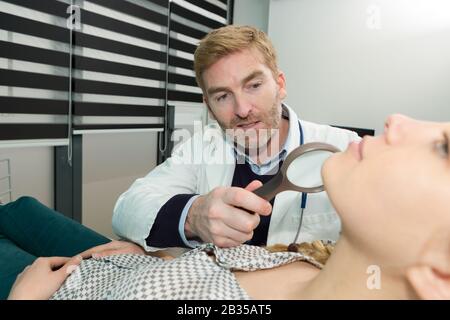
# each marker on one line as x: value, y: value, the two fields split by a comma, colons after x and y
x: 307, y: 147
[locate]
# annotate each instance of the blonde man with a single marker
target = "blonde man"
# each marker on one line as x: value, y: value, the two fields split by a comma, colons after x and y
x: 203, y: 193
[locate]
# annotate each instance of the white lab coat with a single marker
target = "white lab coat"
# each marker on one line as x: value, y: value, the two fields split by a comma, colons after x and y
x: 197, y: 166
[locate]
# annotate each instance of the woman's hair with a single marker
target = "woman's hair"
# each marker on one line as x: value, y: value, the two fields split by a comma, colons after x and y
x: 230, y: 39
x: 317, y: 250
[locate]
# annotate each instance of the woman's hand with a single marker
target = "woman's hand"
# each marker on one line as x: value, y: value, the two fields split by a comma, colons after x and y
x: 112, y: 248
x: 43, y: 278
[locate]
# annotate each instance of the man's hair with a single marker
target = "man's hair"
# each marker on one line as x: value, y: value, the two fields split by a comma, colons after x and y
x: 230, y: 39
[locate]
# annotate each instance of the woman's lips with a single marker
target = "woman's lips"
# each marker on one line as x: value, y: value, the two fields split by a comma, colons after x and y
x: 356, y: 148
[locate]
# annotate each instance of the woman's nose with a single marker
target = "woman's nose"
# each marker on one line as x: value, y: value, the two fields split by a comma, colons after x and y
x: 395, y: 127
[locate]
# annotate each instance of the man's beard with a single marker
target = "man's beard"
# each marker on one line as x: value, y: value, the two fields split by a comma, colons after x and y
x: 253, y: 141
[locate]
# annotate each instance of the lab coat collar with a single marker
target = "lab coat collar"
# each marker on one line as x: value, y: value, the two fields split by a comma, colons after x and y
x: 219, y: 159
x: 293, y: 140
x: 220, y: 155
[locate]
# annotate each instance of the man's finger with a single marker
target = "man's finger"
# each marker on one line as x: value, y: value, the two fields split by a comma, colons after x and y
x: 241, y: 220
x: 252, y: 186
x: 242, y: 198
x: 235, y: 234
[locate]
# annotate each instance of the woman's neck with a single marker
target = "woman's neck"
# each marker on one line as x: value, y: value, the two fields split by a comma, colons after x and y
x: 349, y: 274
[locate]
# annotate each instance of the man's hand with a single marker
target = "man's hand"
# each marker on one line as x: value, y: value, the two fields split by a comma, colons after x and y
x: 226, y: 216
x: 43, y: 278
x: 112, y: 248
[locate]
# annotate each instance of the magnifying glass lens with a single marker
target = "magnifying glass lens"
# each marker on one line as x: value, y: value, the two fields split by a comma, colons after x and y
x: 301, y: 171
x: 305, y: 171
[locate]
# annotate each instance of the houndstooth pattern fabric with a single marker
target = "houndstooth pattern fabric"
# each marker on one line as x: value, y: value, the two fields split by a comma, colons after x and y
x: 251, y: 258
x: 193, y: 275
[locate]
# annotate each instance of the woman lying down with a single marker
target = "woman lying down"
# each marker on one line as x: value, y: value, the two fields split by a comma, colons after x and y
x: 391, y: 193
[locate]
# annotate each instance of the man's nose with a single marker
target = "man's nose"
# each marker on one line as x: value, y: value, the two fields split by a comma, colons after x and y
x: 396, y: 126
x: 242, y: 107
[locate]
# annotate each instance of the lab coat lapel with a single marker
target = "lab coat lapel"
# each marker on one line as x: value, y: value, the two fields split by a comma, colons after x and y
x: 219, y: 162
x: 294, y: 142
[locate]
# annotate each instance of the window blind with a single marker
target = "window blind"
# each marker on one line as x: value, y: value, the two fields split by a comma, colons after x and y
x: 120, y: 65
x: 190, y: 21
x: 125, y: 60
x: 34, y: 73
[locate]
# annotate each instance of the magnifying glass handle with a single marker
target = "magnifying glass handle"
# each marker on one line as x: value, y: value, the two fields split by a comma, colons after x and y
x: 270, y: 189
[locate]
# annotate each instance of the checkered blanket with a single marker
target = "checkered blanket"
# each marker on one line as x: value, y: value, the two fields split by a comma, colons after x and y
x: 193, y: 275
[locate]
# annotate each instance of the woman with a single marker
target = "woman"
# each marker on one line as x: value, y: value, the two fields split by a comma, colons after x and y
x: 391, y: 193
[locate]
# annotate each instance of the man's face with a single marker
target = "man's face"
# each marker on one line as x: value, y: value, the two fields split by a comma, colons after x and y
x: 242, y: 94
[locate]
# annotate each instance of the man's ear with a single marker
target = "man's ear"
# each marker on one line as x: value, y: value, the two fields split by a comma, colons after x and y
x: 281, y: 82
x: 430, y: 278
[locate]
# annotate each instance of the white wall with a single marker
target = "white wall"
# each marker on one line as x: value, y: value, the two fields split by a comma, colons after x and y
x: 31, y: 173
x: 353, y: 62
x: 111, y: 163
x: 251, y: 12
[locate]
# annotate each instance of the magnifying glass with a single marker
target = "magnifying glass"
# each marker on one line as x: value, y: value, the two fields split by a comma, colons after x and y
x: 301, y: 171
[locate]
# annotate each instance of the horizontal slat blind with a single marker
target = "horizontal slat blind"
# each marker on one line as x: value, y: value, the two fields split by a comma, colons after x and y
x: 120, y: 76
x: 190, y: 21
x: 34, y: 70
x: 120, y: 65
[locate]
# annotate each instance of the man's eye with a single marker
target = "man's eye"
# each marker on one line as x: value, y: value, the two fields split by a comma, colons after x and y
x: 221, y: 97
x: 255, y: 85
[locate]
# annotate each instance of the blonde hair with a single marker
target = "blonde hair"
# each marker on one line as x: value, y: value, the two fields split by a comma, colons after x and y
x: 317, y: 250
x: 230, y: 39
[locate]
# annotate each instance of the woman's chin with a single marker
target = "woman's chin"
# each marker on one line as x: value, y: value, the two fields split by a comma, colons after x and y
x: 329, y: 168
x: 332, y: 172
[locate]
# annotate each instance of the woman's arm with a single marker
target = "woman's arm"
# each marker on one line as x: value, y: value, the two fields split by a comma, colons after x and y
x: 112, y: 248
x: 121, y: 247
x: 43, y: 278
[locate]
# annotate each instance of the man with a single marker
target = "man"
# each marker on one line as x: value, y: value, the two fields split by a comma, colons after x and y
x: 184, y: 201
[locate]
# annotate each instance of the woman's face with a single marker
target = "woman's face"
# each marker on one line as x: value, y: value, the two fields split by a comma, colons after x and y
x: 393, y: 190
